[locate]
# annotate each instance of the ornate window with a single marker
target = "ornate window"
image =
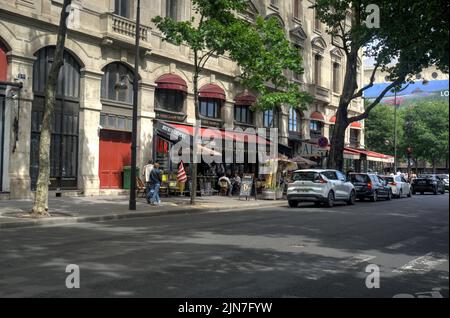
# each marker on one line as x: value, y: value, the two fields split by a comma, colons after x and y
x: 294, y: 120
x: 210, y: 108
x: 123, y: 8
x: 243, y: 114
x: 117, y: 83
x: 172, y: 9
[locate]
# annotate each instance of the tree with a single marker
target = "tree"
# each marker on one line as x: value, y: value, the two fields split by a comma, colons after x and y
x: 380, y: 129
x: 426, y: 131
x: 40, y: 207
x: 261, y: 50
x: 411, y: 36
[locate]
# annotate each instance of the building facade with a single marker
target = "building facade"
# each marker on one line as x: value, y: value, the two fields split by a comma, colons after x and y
x: 92, y: 123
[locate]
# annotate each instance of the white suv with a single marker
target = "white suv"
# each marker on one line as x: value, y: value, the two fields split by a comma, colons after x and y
x: 320, y: 186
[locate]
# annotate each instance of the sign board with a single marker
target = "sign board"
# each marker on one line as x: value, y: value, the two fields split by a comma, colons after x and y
x: 246, y: 186
x: 308, y: 150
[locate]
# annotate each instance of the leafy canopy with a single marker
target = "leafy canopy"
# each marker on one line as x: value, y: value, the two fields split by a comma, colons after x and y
x: 260, y: 49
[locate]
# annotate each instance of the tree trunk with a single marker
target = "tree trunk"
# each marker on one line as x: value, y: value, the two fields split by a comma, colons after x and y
x: 336, y: 156
x: 194, y: 165
x: 40, y: 207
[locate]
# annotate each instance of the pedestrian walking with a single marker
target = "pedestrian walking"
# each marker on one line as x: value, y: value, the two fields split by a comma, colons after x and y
x: 155, y: 180
x: 146, y: 174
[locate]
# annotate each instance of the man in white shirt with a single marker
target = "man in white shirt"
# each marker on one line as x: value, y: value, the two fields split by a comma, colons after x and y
x: 146, y: 174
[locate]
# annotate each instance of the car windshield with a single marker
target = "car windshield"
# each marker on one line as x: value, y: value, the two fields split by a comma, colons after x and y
x: 305, y: 176
x: 359, y: 178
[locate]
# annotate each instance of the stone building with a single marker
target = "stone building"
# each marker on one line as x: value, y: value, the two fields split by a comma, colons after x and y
x: 92, y: 122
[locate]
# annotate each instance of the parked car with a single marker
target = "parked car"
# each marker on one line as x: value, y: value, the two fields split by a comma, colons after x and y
x: 320, y: 186
x: 399, y: 186
x: 370, y: 186
x: 445, y: 179
x: 430, y: 183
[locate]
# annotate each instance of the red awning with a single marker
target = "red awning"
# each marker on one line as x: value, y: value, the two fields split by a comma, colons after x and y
x: 356, y: 124
x: 317, y: 116
x: 173, y: 82
x: 371, y: 154
x: 227, y: 135
x: 333, y: 119
x: 245, y: 99
x: 212, y: 91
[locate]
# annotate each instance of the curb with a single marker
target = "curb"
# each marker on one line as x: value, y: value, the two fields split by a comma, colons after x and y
x: 129, y: 215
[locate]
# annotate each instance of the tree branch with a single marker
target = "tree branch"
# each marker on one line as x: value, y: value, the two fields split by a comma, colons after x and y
x: 375, y: 102
x: 204, y: 59
x: 372, y: 81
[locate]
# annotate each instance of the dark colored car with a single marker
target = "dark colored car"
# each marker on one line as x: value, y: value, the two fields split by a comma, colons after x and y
x: 370, y: 186
x: 432, y: 184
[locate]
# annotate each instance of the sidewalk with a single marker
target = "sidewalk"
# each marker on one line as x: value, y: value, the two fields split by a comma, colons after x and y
x: 66, y: 210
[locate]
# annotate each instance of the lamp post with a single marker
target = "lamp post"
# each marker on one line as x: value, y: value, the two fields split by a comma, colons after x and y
x: 132, y: 204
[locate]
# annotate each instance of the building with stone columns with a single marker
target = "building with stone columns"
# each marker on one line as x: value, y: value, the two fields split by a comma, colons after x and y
x: 92, y: 122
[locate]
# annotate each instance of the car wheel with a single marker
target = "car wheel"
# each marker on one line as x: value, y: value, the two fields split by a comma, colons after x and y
x: 352, y: 198
x: 375, y: 197
x: 330, y: 200
x: 293, y: 204
x: 389, y: 197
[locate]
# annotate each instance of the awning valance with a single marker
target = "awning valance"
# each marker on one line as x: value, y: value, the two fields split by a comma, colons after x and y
x: 245, y: 99
x: 173, y: 82
x: 317, y: 116
x: 212, y: 91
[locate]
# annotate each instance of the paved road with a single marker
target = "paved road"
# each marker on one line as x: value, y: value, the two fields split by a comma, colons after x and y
x: 305, y: 252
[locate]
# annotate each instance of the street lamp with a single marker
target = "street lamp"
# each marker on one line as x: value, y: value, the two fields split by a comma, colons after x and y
x: 132, y: 203
x: 396, y: 91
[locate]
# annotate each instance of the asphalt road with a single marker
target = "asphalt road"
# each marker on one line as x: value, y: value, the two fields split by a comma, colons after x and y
x: 304, y: 252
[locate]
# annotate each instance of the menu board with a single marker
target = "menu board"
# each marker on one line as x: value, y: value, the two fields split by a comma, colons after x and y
x: 246, y: 186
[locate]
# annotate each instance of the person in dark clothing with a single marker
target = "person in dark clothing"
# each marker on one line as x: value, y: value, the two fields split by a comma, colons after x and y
x: 155, y: 180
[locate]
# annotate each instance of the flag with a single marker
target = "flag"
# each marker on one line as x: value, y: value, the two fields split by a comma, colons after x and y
x: 181, y: 177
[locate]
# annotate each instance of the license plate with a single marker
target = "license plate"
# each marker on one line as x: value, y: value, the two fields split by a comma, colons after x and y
x: 304, y: 190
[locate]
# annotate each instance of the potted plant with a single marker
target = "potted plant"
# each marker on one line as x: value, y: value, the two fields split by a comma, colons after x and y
x: 279, y: 193
x: 269, y: 193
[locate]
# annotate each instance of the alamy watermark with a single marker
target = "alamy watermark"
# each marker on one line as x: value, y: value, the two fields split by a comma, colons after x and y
x: 73, y: 279
x: 373, y: 279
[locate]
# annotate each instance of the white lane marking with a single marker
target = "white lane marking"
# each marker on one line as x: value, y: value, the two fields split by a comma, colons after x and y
x: 411, y: 241
x: 357, y: 259
x: 423, y: 264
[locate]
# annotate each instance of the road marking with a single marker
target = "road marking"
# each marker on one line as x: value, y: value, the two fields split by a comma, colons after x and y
x: 411, y: 241
x: 423, y: 264
x: 357, y: 259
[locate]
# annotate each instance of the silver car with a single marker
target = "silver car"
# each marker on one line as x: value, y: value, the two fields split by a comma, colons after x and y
x: 320, y: 186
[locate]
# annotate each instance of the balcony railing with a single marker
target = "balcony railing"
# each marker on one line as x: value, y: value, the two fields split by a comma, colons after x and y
x: 320, y: 92
x: 120, y: 28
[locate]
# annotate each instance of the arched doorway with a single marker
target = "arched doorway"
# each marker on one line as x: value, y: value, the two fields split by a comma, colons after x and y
x: 65, y: 125
x: 116, y: 124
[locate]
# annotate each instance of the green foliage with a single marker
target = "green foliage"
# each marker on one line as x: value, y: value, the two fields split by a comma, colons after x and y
x: 261, y: 49
x: 380, y: 129
x: 426, y: 128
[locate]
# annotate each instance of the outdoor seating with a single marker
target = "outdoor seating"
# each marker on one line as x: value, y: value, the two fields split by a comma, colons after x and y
x: 140, y: 187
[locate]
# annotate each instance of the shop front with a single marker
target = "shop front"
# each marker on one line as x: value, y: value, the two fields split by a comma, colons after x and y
x: 231, y: 150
